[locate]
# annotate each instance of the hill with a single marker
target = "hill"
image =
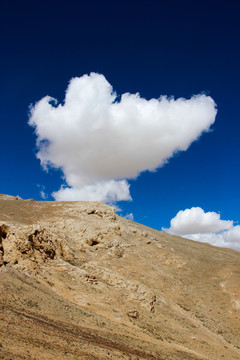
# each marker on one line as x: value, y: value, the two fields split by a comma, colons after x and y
x: 78, y: 282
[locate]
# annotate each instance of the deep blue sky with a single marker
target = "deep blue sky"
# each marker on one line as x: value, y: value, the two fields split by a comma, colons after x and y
x: 156, y: 48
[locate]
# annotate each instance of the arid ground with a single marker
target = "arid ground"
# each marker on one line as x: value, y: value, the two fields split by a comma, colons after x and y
x: 79, y: 282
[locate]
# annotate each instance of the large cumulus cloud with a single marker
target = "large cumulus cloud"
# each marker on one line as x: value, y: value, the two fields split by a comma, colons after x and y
x: 99, y: 142
x: 196, y: 224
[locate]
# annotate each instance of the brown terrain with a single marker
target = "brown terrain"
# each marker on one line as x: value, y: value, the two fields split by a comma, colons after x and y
x: 79, y: 282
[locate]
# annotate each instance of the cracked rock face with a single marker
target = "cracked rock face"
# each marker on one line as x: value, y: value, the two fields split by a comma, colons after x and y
x: 29, y: 248
x: 80, y: 282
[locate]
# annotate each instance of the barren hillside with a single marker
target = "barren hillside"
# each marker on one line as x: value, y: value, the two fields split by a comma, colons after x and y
x: 79, y: 282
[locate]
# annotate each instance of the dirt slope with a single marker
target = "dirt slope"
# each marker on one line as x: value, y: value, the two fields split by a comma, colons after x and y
x: 79, y: 282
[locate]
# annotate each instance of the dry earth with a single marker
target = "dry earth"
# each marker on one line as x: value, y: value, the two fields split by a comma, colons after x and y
x: 79, y: 282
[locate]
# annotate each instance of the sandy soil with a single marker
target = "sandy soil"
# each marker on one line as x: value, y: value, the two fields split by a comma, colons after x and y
x: 79, y: 282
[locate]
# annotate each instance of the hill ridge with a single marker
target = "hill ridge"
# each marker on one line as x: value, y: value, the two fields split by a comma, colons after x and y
x: 140, y: 293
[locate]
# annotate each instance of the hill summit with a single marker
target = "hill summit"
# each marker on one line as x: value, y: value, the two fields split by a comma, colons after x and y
x: 78, y: 282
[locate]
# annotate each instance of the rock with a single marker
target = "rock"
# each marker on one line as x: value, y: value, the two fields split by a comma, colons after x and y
x: 117, y: 251
x: 24, y: 247
x: 133, y: 314
x: 92, y: 241
x: 3, y: 231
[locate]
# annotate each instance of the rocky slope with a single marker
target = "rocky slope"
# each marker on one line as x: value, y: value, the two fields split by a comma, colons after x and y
x: 79, y: 282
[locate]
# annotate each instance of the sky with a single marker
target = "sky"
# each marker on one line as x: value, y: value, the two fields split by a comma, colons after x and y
x: 132, y: 103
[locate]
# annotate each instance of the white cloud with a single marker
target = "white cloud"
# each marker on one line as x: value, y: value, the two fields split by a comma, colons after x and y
x: 95, y: 139
x: 195, y: 220
x: 129, y: 216
x: 43, y: 194
x: 108, y: 191
x: 195, y: 224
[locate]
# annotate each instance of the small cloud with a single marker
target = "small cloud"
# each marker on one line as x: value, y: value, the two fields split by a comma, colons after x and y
x: 43, y: 195
x: 195, y: 224
x: 129, y: 216
x: 42, y: 191
x: 195, y: 220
